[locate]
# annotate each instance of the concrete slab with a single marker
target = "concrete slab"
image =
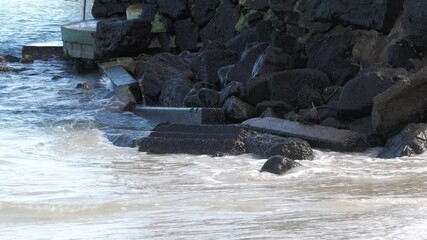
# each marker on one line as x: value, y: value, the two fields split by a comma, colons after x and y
x: 43, y: 51
x: 195, y: 139
x: 125, y: 87
x: 181, y: 115
x: 317, y: 136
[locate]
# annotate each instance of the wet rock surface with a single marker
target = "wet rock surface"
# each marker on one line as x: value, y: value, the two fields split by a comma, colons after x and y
x: 279, y: 165
x: 410, y: 141
x: 267, y: 145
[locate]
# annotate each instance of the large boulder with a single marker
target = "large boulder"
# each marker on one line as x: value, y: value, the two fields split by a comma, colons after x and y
x: 267, y: 145
x: 279, y: 165
x: 285, y: 86
x: 273, y: 59
x: 242, y: 70
x: 413, y: 21
x: 240, y: 41
x: 357, y: 96
x: 118, y: 38
x: 203, y: 97
x: 203, y: 10
x: 174, y: 9
x: 187, y: 34
x: 161, y: 68
x: 212, y: 60
x: 221, y: 26
x: 400, y: 105
x: 410, y: 141
x: 237, y: 110
x: 174, y: 92
x: 331, y: 53
x: 369, y: 14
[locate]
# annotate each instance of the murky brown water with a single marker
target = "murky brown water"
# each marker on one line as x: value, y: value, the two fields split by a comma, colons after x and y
x: 61, y: 179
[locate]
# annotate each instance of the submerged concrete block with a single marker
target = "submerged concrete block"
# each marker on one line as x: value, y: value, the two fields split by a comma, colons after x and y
x: 43, y: 51
x: 317, y: 136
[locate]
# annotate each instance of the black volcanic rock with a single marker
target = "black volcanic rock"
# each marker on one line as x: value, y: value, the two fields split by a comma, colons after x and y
x: 118, y: 38
x: 221, y: 26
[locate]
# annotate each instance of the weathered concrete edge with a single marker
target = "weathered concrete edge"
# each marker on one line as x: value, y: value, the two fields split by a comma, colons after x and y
x: 339, y: 146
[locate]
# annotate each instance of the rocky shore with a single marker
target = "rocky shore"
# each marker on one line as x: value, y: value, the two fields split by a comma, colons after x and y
x: 342, y: 76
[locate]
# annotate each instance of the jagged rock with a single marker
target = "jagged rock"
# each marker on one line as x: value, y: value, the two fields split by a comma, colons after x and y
x: 203, y: 10
x: 330, y: 53
x: 240, y: 41
x: 219, y: 27
x: 267, y: 145
x: 410, y: 141
x: 329, y: 110
x: 264, y: 30
x: 174, y: 9
x: 400, y: 52
x: 187, y: 34
x: 279, y: 165
x: 174, y: 92
x: 285, y: 85
x: 237, y: 110
x: 369, y: 14
x: 212, y: 61
x: 413, y: 25
x: 400, y: 105
x: 235, y: 89
x: 118, y: 38
x: 159, y: 69
x: 357, y: 96
x: 149, y: 11
x: 308, y: 97
x: 273, y: 59
x: 242, y: 70
x: 203, y: 97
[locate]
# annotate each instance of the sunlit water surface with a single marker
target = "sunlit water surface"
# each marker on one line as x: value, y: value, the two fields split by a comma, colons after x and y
x: 61, y: 179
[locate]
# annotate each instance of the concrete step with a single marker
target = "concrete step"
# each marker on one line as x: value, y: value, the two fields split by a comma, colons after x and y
x: 190, y: 116
x: 195, y: 139
x: 317, y: 136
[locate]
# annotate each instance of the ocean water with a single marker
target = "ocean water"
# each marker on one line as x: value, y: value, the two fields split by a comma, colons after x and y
x: 61, y: 179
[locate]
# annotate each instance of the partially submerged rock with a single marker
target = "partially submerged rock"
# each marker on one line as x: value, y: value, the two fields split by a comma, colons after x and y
x: 400, y: 105
x: 410, y: 141
x: 267, y: 145
x: 279, y: 165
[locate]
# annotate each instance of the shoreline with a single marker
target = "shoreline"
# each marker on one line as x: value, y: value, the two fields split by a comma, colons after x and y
x: 341, y: 82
